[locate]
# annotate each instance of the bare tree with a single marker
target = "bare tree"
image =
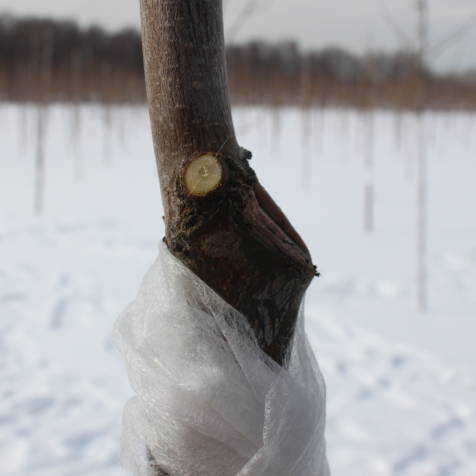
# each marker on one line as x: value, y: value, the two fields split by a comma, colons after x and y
x: 422, y: 172
x: 44, y: 68
x: 424, y: 51
x: 219, y: 220
x: 368, y: 119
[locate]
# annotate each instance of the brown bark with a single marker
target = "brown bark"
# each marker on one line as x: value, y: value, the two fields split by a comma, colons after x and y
x: 235, y: 238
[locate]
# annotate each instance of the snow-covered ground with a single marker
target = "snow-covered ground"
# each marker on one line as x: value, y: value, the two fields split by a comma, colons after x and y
x: 401, y: 385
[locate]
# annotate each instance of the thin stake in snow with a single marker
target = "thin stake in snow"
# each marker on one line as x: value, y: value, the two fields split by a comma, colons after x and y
x: 369, y: 186
x: 39, y: 189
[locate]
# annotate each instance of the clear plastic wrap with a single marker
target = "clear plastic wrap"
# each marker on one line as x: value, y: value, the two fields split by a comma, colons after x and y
x: 208, y: 401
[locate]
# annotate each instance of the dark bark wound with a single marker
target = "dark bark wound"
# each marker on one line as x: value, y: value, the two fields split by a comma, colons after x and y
x: 236, y: 238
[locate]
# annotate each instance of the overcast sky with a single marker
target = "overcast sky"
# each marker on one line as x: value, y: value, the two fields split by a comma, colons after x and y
x: 355, y: 24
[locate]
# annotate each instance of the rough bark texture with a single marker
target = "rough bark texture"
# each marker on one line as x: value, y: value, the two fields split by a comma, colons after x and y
x: 235, y: 238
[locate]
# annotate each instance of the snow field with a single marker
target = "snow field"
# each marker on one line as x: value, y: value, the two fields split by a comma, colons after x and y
x: 401, y: 386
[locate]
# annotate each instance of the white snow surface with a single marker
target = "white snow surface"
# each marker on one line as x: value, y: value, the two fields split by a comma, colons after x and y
x: 401, y: 385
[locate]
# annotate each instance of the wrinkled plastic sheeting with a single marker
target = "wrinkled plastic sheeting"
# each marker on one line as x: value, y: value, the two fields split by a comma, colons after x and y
x: 209, y: 401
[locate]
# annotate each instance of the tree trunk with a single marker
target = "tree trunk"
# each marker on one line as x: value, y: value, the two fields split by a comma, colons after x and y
x: 219, y: 220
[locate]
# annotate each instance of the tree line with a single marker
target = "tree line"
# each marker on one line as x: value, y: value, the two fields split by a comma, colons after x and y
x: 45, y: 59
